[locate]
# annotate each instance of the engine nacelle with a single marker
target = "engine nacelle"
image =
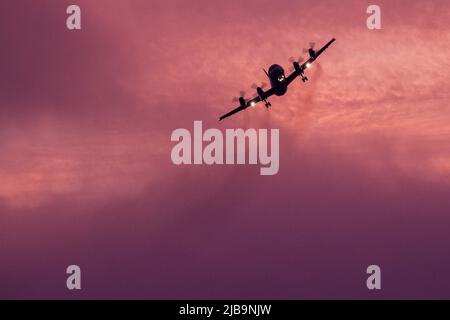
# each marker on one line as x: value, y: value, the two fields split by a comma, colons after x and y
x: 312, y: 53
x: 297, y: 67
x: 260, y: 92
x: 242, y: 101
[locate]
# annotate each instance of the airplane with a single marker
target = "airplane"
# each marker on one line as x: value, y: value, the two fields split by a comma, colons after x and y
x: 278, y: 81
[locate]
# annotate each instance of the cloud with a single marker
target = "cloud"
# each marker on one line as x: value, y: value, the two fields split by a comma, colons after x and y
x: 85, y: 124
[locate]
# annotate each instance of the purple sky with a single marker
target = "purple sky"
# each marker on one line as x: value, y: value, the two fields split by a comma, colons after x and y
x: 86, y: 176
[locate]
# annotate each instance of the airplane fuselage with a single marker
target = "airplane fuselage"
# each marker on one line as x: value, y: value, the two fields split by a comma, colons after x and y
x: 277, y: 79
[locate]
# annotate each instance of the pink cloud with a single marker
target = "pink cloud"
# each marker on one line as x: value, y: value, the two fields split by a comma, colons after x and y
x: 85, y: 124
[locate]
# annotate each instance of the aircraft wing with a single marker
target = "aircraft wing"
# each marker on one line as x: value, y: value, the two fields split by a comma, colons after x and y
x: 293, y: 76
x: 308, y: 63
x: 325, y: 47
x: 229, y: 114
x: 249, y: 103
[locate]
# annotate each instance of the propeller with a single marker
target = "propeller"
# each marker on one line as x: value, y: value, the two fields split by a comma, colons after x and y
x: 241, y: 95
x: 299, y: 60
x: 312, y: 45
x: 262, y: 85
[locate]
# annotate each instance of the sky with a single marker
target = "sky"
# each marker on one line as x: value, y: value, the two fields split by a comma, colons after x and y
x: 86, y: 176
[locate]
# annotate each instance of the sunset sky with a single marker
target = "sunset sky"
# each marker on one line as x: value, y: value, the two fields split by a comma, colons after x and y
x: 86, y: 176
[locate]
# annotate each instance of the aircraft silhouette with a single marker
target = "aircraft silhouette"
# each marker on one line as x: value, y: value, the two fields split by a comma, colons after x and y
x: 278, y: 81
